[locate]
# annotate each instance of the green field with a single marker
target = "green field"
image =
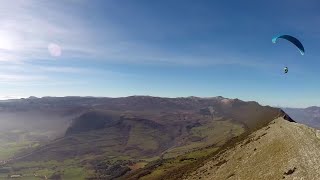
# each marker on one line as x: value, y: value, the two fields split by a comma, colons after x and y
x: 17, y: 141
x: 68, y: 169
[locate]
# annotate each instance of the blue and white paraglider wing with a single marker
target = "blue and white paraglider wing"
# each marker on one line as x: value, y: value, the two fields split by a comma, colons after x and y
x: 293, y: 40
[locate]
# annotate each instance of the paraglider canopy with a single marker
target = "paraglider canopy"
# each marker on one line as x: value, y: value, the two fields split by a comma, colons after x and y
x: 293, y: 40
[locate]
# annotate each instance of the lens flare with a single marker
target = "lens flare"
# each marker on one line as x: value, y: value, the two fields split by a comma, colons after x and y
x: 54, y: 50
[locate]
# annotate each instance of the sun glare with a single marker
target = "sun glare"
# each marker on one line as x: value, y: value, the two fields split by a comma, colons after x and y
x: 6, y: 41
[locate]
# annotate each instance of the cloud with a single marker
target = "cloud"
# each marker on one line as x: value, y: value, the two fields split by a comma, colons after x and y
x: 19, y: 78
x: 60, y: 69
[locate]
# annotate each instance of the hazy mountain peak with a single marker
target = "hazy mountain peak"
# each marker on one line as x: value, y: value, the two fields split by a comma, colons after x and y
x: 313, y: 108
x: 309, y: 116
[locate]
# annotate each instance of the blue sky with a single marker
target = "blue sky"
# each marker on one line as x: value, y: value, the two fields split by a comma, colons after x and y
x: 161, y: 48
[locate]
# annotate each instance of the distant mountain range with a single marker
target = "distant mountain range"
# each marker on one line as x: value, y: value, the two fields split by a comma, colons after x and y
x: 309, y: 116
x: 106, y: 138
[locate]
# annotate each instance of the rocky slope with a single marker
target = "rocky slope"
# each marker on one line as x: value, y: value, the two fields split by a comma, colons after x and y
x: 281, y: 150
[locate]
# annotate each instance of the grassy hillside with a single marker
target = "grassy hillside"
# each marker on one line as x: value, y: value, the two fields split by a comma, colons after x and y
x: 282, y: 150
